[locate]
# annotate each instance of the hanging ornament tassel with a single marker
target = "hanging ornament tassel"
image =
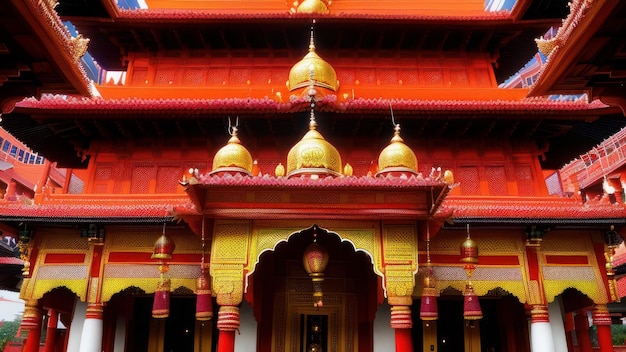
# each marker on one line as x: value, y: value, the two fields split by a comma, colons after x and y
x: 161, y: 305
x: 204, y: 304
x: 428, y: 306
x: 471, y: 305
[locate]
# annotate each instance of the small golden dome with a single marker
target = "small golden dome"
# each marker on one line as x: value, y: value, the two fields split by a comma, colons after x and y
x: 279, y: 171
x: 313, y: 155
x: 312, y: 6
x: 348, y: 170
x: 312, y: 68
x: 397, y: 156
x: 233, y: 157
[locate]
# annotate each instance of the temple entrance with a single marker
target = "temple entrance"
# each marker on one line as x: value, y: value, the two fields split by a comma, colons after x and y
x: 503, y: 328
x: 282, y: 295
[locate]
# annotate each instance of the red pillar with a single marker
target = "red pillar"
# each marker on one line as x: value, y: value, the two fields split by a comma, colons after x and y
x: 582, y: 332
x: 51, y: 332
x: 402, y: 323
x: 602, y: 321
x: 569, y: 329
x: 404, y: 342
x: 226, y: 341
x: 32, y: 341
x: 227, y: 324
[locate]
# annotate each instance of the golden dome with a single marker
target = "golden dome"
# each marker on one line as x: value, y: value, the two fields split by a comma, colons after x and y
x: 312, y: 6
x: 313, y: 155
x: 397, y: 156
x: 312, y: 68
x: 233, y: 157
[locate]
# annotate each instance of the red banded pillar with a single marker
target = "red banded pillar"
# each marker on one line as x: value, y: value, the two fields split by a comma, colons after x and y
x: 227, y: 324
x: 31, y: 326
x: 51, y: 332
x: 402, y: 322
x: 602, y: 321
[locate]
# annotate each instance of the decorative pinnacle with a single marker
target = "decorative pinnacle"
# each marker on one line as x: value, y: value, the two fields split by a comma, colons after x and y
x: 312, y: 122
x: 396, y: 134
x: 312, y: 42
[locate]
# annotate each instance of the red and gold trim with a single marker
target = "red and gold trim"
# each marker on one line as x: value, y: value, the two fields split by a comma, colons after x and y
x: 539, y: 314
x: 401, y: 317
x: 228, y: 318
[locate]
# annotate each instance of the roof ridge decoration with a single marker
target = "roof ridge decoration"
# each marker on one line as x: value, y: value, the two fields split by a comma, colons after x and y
x: 579, y: 11
x: 186, y: 15
x: 326, y: 103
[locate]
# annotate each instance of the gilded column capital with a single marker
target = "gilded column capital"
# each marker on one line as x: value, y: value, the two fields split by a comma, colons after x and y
x: 229, y: 253
x: 227, y: 283
x: 399, y: 244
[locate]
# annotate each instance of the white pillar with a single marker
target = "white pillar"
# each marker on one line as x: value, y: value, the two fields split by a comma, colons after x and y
x: 120, y: 335
x: 384, y: 335
x: 540, y: 330
x: 557, y: 325
x: 91, y: 338
x: 76, y: 328
x: 246, y: 339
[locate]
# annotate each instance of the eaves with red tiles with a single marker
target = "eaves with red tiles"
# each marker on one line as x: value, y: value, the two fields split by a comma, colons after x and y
x: 88, y: 209
x: 11, y: 261
x: 191, y: 15
x: 534, y: 209
x: 329, y: 104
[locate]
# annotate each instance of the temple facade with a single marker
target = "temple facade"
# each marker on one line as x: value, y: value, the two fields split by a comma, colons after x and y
x: 317, y: 176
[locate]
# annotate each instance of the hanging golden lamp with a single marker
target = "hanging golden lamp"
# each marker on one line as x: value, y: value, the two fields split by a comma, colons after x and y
x: 204, y: 300
x: 163, y: 249
x: 469, y: 254
x: 428, y: 305
x: 315, y: 260
x: 469, y: 258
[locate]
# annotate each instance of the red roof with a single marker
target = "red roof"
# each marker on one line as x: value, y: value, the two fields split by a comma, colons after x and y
x: 553, y: 208
x: 10, y: 261
x: 98, y: 207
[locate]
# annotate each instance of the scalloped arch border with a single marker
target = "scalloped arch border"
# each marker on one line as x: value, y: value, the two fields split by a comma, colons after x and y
x: 283, y: 235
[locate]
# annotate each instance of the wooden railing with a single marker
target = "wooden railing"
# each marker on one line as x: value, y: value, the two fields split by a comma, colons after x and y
x: 598, y: 162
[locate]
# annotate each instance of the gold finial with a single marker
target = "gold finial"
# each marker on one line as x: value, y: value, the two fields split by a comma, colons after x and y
x: 312, y: 40
x: 396, y: 134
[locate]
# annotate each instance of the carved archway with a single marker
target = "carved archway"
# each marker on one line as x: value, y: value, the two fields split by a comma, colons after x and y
x: 280, y: 291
